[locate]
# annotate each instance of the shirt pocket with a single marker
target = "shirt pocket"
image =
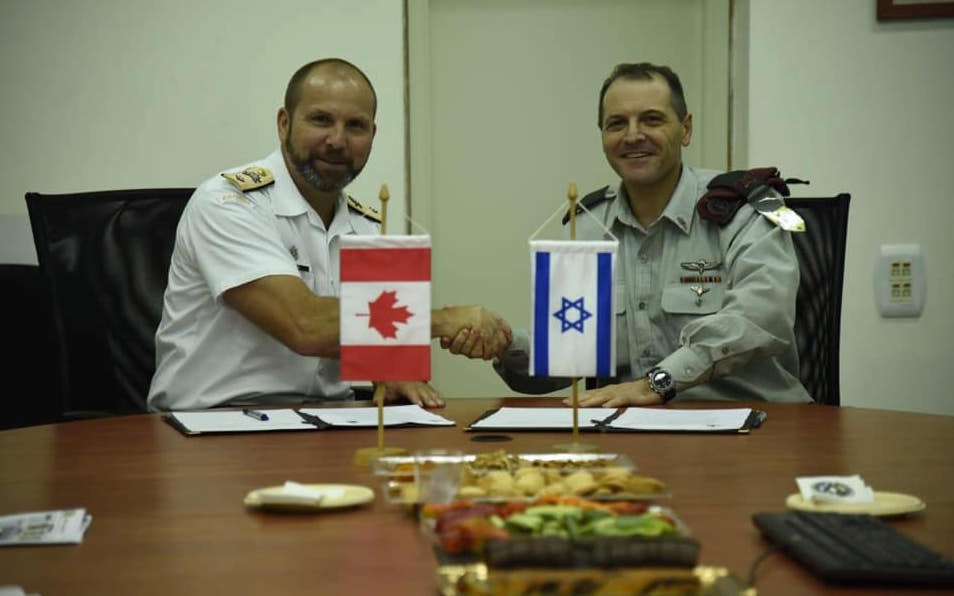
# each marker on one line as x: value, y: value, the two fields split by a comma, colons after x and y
x: 681, y: 299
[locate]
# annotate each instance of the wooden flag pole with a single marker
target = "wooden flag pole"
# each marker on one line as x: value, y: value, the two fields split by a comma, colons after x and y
x: 571, y: 196
x: 575, y: 445
x: 383, y: 196
x: 365, y: 455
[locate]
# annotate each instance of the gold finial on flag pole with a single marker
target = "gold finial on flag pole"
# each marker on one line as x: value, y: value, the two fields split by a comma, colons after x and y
x: 383, y: 196
x: 571, y: 195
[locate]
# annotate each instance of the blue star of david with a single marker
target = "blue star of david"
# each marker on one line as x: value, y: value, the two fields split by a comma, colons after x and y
x: 568, y: 305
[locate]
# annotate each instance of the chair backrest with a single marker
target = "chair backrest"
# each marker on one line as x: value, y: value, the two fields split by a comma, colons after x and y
x: 821, y: 260
x: 105, y: 256
x: 30, y: 366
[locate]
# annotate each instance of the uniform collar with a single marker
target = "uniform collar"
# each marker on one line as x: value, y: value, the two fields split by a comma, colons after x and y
x: 288, y: 202
x: 679, y: 210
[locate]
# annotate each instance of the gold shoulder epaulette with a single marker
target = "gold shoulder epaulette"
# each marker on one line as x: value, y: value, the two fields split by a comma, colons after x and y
x: 368, y: 212
x: 249, y: 178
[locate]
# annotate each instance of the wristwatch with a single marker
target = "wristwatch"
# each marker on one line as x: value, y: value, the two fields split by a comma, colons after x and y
x: 661, y: 382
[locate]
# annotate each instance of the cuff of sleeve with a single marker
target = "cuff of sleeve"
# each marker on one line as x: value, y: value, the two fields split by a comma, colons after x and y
x: 686, y: 365
x: 517, y: 354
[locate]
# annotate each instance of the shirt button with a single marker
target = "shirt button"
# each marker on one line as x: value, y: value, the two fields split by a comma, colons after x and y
x: 642, y: 306
x: 643, y: 258
x: 647, y: 352
x: 725, y: 349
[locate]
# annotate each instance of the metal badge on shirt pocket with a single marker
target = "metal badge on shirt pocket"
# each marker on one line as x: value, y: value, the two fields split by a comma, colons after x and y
x: 700, y: 288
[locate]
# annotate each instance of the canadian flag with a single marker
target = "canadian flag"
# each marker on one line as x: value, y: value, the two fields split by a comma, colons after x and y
x: 385, y: 308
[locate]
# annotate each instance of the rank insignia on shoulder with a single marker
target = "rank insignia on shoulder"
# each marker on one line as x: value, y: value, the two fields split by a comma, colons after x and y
x: 591, y: 200
x: 249, y: 178
x: 234, y: 196
x: 368, y: 212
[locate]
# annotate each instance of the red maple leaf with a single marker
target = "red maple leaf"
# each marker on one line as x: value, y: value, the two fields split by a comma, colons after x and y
x: 384, y: 314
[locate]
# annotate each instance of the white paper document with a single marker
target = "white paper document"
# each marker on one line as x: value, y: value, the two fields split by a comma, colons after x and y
x: 728, y: 419
x: 64, y: 526
x: 225, y: 421
x: 364, y: 417
x: 541, y: 418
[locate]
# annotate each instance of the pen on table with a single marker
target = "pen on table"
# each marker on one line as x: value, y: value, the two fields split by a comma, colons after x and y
x: 255, y: 415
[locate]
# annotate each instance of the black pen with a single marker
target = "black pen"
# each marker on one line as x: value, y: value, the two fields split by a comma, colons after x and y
x: 255, y: 415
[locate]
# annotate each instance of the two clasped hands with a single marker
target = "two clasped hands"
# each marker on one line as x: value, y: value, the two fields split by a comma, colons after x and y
x: 491, y: 336
x: 471, y: 330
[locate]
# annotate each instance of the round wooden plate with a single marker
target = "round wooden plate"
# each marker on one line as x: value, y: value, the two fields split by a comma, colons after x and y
x: 884, y: 504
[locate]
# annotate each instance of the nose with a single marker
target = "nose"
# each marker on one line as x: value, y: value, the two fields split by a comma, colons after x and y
x: 633, y: 133
x: 336, y: 137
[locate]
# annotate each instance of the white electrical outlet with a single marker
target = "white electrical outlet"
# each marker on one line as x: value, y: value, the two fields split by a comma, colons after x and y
x: 900, y: 280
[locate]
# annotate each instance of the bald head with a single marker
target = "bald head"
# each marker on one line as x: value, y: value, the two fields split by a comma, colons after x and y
x: 326, y: 71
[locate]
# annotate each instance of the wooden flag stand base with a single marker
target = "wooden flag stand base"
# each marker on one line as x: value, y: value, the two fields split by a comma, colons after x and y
x: 365, y: 455
x: 575, y: 446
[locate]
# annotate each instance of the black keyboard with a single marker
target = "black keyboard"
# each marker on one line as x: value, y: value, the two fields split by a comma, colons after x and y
x: 849, y: 548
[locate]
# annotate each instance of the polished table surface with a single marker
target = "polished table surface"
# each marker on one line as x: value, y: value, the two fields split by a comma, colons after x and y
x: 168, y: 516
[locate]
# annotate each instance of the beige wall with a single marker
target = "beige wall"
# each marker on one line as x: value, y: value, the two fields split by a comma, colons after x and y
x: 111, y: 94
x: 865, y: 107
x: 129, y: 93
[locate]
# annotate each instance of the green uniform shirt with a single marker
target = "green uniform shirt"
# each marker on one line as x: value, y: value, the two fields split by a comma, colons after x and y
x: 729, y: 323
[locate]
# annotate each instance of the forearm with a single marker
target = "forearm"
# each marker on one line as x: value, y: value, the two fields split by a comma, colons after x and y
x: 513, y: 367
x: 284, y: 308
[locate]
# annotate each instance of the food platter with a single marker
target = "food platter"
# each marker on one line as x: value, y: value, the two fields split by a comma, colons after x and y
x: 558, y: 532
x: 499, y: 476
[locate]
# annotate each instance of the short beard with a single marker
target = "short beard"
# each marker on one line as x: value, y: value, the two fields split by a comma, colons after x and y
x: 314, y: 179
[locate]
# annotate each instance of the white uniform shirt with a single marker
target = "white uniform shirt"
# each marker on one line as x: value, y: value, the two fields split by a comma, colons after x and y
x: 207, y: 354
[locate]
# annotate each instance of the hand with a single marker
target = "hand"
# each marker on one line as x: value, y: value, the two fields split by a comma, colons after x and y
x: 466, y: 343
x: 421, y: 394
x: 474, y: 331
x: 635, y: 393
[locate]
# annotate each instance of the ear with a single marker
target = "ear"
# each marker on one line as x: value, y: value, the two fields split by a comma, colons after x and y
x: 283, y: 125
x: 687, y: 130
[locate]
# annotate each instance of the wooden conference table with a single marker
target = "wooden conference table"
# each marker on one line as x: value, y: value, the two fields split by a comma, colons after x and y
x: 168, y: 516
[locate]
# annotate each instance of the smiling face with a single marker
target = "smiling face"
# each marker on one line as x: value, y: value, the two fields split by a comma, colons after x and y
x: 642, y: 135
x: 326, y: 139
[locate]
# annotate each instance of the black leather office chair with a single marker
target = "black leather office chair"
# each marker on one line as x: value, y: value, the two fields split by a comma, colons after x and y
x: 821, y: 260
x: 105, y: 256
x: 30, y: 366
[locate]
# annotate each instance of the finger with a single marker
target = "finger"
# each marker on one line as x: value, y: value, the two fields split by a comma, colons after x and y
x: 591, y: 399
x: 616, y: 402
x: 457, y: 345
x: 445, y: 342
x: 432, y: 398
x: 473, y: 339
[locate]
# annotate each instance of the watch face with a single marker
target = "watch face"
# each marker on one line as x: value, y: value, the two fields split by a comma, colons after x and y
x: 660, y: 381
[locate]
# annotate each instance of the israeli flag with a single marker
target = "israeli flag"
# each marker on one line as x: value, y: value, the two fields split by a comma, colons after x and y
x: 572, y: 319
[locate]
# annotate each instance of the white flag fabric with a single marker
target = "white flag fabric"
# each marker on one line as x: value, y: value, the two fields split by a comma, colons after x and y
x: 385, y: 308
x: 572, y: 317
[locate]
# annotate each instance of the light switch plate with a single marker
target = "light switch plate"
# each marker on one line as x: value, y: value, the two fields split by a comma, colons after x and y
x: 900, y: 280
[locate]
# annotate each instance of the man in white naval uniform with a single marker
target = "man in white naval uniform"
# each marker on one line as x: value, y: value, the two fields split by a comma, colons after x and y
x: 250, y: 314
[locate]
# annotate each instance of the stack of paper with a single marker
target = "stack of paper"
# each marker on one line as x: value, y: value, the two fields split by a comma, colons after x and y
x: 64, y: 526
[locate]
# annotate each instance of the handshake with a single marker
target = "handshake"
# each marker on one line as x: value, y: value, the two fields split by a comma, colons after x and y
x: 471, y: 331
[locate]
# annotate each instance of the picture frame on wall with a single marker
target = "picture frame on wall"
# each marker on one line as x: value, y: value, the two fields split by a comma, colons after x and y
x: 890, y: 10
